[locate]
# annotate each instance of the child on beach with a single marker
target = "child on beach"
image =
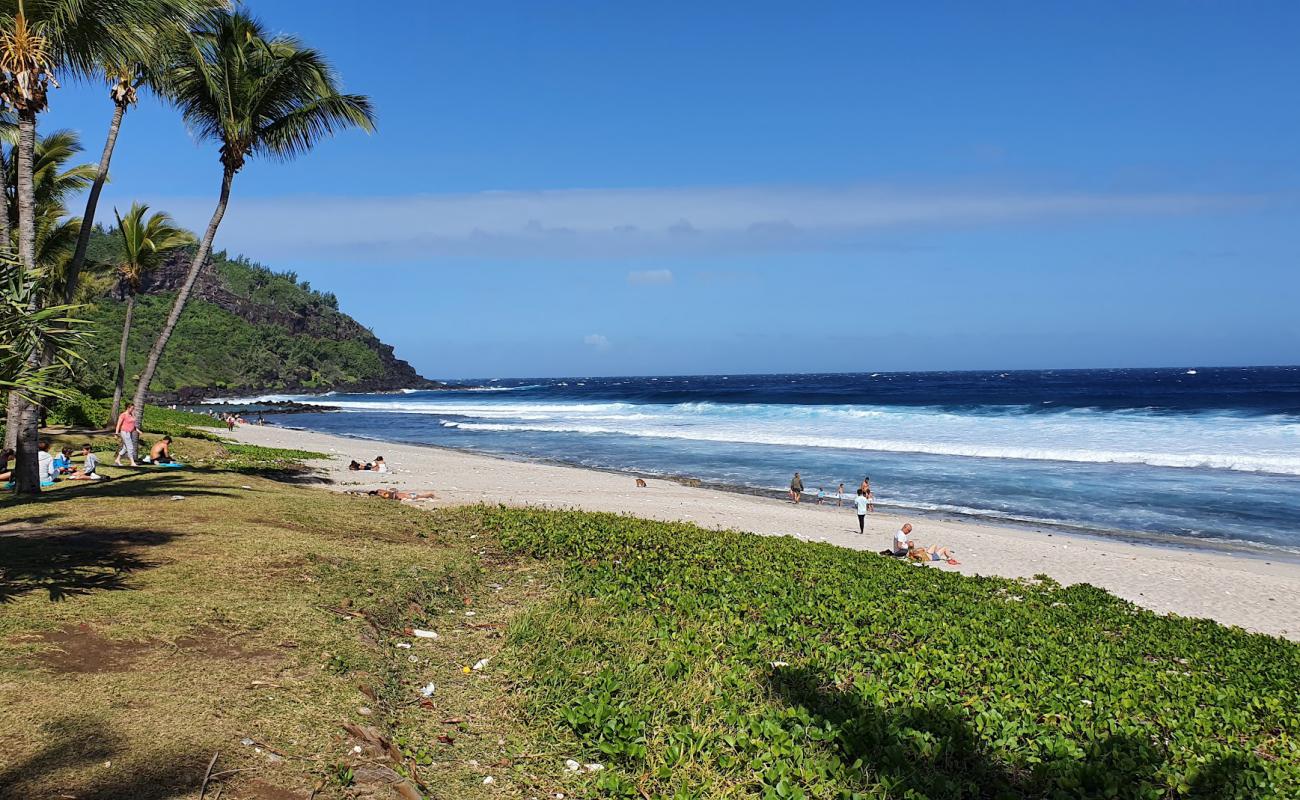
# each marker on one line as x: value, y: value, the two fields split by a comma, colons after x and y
x: 839, y: 496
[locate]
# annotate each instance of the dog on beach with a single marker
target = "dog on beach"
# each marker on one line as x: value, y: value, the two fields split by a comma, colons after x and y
x: 640, y: 484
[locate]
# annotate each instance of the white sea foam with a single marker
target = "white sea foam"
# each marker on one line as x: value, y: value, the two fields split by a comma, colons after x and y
x: 1206, y: 440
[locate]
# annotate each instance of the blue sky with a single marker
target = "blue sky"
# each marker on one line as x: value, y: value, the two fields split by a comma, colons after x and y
x: 583, y: 188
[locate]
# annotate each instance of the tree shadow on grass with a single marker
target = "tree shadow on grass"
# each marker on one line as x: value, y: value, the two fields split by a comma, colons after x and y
x: 934, y: 752
x: 139, y: 484
x: 83, y: 744
x: 69, y: 562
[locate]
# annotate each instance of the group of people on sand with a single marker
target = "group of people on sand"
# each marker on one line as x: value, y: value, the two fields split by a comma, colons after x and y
x: 863, y: 504
x: 378, y: 465
x: 904, y: 547
x: 128, y: 430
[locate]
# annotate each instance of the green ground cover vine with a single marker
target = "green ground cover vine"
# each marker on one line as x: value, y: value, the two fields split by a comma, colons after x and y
x: 704, y: 664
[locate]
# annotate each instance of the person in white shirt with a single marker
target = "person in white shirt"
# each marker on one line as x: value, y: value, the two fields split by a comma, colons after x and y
x: 901, y: 543
x: 45, y: 464
x: 861, y: 503
x: 380, y: 464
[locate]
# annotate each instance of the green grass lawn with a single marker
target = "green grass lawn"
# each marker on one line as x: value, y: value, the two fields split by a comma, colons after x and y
x: 255, y: 619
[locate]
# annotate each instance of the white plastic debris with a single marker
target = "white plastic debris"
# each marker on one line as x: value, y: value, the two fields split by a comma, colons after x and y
x: 469, y: 613
x: 356, y: 748
x: 404, y: 645
x: 246, y: 742
x: 572, y: 766
x: 489, y: 780
x: 422, y: 634
x: 779, y: 664
x: 427, y: 690
x: 594, y: 767
x: 178, y: 497
x: 481, y: 663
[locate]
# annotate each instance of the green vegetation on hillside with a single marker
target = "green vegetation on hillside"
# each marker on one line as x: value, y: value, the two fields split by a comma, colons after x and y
x: 214, y: 348
x: 252, y: 329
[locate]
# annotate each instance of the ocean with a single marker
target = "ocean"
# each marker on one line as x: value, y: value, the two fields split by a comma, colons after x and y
x: 1205, y: 455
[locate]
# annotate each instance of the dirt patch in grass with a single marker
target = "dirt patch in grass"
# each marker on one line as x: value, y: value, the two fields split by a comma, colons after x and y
x: 255, y: 789
x: 82, y: 649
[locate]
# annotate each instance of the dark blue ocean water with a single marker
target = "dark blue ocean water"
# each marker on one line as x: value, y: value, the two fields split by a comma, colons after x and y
x: 1204, y: 454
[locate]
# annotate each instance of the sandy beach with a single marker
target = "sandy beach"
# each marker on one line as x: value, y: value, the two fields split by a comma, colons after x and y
x: 1245, y: 590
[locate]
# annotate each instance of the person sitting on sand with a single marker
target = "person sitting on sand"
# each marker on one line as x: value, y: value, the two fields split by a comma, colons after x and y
x: 6, y: 474
x: 379, y: 465
x: 901, y: 543
x: 161, y: 452
x: 796, y: 488
x: 89, y: 466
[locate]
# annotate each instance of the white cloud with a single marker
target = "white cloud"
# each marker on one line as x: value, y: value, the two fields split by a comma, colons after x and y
x: 597, y: 340
x: 650, y: 277
x: 615, y: 223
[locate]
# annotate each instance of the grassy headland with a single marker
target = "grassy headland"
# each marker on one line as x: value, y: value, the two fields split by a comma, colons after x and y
x: 258, y: 618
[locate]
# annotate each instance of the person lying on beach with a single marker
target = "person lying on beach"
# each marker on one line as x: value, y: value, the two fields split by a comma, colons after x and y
x: 934, y: 552
x: 89, y: 466
x: 394, y: 494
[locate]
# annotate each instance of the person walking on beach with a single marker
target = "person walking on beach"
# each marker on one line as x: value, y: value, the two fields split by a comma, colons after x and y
x: 861, y: 503
x: 127, y: 429
x: 839, y: 497
x: 796, y: 488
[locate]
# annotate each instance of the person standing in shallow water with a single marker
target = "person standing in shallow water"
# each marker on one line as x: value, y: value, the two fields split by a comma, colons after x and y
x: 796, y: 488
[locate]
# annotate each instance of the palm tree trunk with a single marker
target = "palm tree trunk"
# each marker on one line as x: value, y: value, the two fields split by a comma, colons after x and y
x: 183, y: 296
x: 92, y: 202
x: 26, y: 422
x: 120, y: 380
x: 5, y: 244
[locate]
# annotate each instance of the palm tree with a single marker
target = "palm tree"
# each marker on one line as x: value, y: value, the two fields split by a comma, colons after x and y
x: 37, y: 39
x: 53, y: 183
x: 253, y: 95
x: 145, y: 245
